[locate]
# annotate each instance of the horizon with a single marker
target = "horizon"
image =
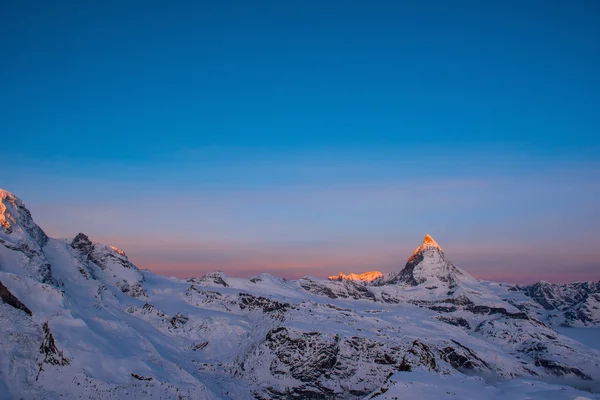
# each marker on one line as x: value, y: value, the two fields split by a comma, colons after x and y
x: 298, y: 271
x: 317, y: 137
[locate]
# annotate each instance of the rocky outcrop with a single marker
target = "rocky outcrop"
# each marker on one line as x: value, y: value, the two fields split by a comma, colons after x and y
x: 82, y: 244
x: 141, y: 377
x: 217, y: 278
x: 50, y: 353
x: 7, y: 297
x: 314, y: 365
x: 553, y: 296
x: 568, y: 304
x: 346, y: 289
x: 250, y: 302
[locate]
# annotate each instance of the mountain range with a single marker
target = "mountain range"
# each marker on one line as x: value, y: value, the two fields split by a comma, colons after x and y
x: 79, y: 320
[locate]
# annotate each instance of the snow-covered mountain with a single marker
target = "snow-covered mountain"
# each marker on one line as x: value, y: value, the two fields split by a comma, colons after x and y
x: 368, y: 276
x: 79, y: 320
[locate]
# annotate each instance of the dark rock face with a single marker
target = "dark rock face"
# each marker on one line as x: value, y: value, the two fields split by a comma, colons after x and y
x: 406, y: 275
x: 178, y: 321
x: 199, y: 346
x: 135, y: 290
x: 208, y: 296
x: 456, y: 321
x: 583, y: 311
x: 320, y: 290
x: 461, y: 357
x: 575, y: 301
x: 319, y: 356
x: 318, y: 362
x: 250, y: 302
x: 307, y: 358
x: 359, y: 291
x: 559, y: 296
x: 51, y: 354
x: 140, y: 377
x: 82, y: 244
x: 418, y: 354
x: 485, y: 310
x: 559, y: 369
x: 7, y: 297
x: 338, y: 289
x: 217, y: 277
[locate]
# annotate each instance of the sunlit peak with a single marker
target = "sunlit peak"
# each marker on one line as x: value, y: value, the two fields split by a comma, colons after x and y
x: 366, y: 277
x: 428, y: 241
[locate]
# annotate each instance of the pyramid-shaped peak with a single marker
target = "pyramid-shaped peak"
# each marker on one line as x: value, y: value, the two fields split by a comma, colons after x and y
x: 428, y: 244
x: 428, y: 241
x: 428, y: 264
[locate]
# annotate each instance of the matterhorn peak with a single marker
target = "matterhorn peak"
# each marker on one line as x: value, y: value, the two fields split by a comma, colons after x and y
x: 430, y: 242
x: 428, y: 263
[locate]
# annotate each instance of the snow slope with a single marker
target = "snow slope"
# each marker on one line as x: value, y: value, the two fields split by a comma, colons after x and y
x: 79, y: 320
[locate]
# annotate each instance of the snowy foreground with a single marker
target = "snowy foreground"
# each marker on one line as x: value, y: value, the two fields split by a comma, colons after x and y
x: 79, y: 321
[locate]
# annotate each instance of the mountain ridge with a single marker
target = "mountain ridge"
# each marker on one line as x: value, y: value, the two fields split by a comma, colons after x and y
x: 102, y: 325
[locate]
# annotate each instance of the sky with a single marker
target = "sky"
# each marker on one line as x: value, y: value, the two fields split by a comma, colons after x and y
x: 309, y: 137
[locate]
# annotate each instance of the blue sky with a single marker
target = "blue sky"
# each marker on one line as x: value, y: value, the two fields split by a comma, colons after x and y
x: 310, y: 137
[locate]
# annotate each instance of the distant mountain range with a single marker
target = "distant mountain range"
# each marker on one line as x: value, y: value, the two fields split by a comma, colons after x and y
x: 79, y: 320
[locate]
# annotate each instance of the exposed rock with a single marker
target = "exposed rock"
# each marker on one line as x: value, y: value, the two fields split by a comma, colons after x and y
x: 456, y: 321
x: 418, y: 354
x: 199, y: 346
x: 571, y: 303
x: 82, y: 244
x: 52, y: 355
x: 141, y: 377
x: 559, y: 369
x: 461, y: 357
x: 178, y: 321
x: 259, y: 302
x: 217, y: 278
x: 7, y: 297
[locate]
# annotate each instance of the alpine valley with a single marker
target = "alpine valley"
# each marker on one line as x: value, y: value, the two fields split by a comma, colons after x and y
x: 79, y: 321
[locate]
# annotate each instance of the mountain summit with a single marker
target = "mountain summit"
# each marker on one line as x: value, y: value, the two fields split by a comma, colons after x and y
x: 428, y: 264
x: 428, y: 241
x: 16, y: 224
